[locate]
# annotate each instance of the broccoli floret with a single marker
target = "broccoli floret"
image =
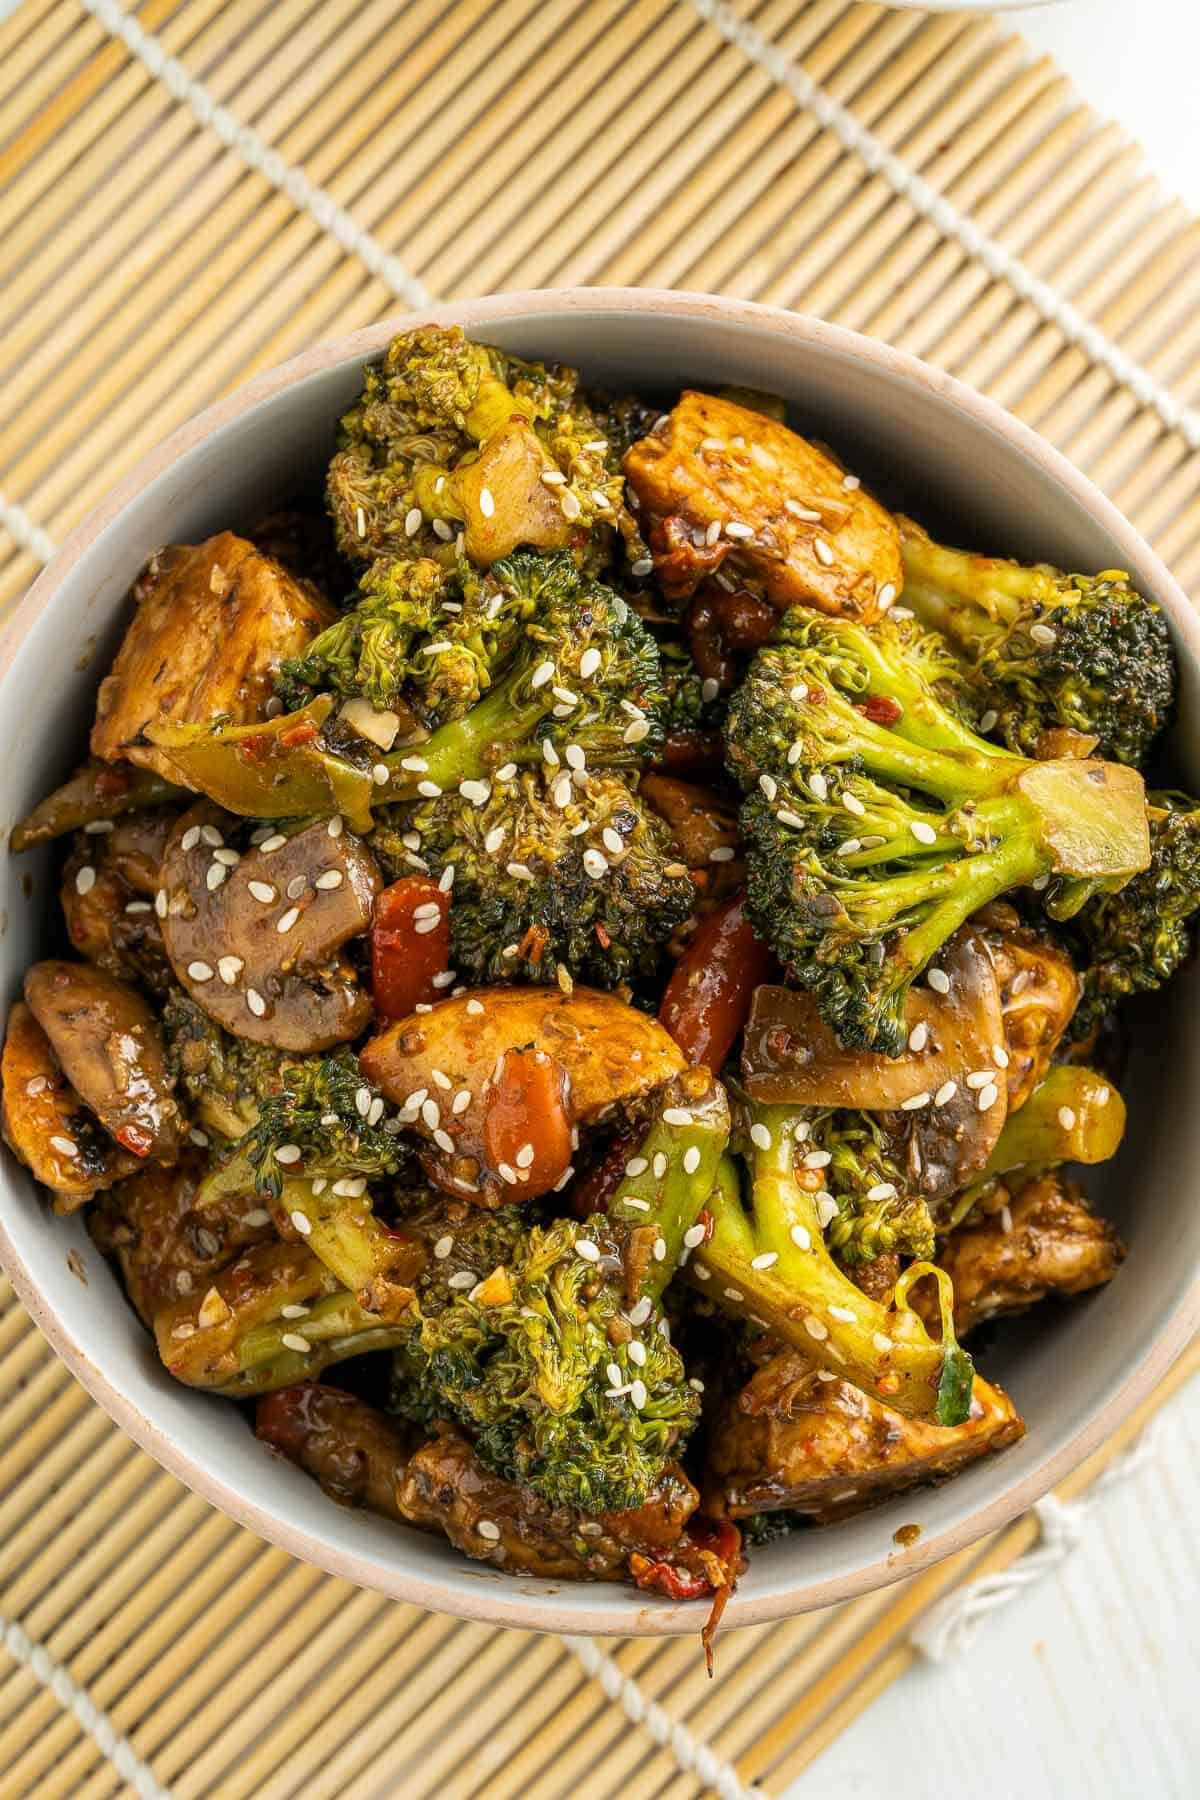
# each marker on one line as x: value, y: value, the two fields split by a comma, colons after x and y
x: 1048, y: 650
x: 401, y: 483
x: 880, y: 822
x: 877, y: 1213
x: 548, y: 873
x: 420, y: 635
x: 766, y: 1258
x: 584, y: 679
x: 226, y: 1079
x: 558, y: 1361
x: 1133, y: 941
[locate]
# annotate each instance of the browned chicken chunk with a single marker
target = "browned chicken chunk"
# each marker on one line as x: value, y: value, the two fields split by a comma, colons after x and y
x: 798, y: 1440
x: 167, y: 1250
x: 606, y: 1053
x: 256, y: 939
x: 111, y: 1049
x: 1046, y: 1240
x: 47, y: 1125
x: 705, y: 829
x: 213, y: 623
x: 723, y: 488
x: 1039, y: 991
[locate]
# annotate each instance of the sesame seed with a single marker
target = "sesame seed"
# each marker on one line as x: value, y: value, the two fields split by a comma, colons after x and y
x: 1042, y: 634
x: 722, y: 853
x: 844, y: 1314
x: 945, y: 1093
x: 553, y: 477
x: 487, y: 505
x: 853, y: 804
x: 332, y: 878
x: 199, y: 971
x: 296, y: 886
x: 924, y: 834
x: 849, y: 846
x: 767, y: 1260
x: 519, y: 871
x: 1000, y: 1056
x: 98, y: 827
x: 760, y: 1135
x: 494, y: 839
x: 802, y: 512
x: 918, y: 1037
x: 269, y: 845
x: 815, y: 1329
x: 769, y: 786
x: 819, y: 785
x: 642, y: 566
x: 637, y: 1165
x: 818, y: 1159
x: 429, y: 909
x: 703, y: 1274
x: 289, y: 918
x: 660, y: 1165
x: 198, y: 1137
x: 637, y: 1393
x: 637, y: 1205
x: 524, y: 1156
x: 214, y: 876
x: 362, y: 1102
x: 693, y: 1236
x: 190, y: 838
x: 261, y: 891
x: 575, y: 757
x: 255, y: 1002
x: 886, y: 594
x: 587, y: 1250
x: 710, y: 687
x: 735, y: 529
x: 475, y: 1007
x: 988, y: 721
x: 442, y: 530
x: 428, y: 790
x: 462, y: 1279
x: 300, y: 1223
x: 691, y: 1159
x: 883, y: 1190
x: 288, y: 1154
x: 431, y: 1113
x: 507, y: 1173
x: 979, y: 1078
x: 827, y: 1209
x: 801, y: 1237
x: 635, y: 731
x: 461, y: 1101
x: 1066, y: 1117
x: 824, y: 553
x: 1102, y: 1096
x: 914, y: 1103
x: 939, y: 981
x: 677, y: 1115
x: 291, y: 1340
x: 444, y: 1141
x: 138, y: 906
x: 85, y: 879
x: 549, y: 753
x: 570, y: 505
x: 541, y: 675
x: 595, y: 864
x: 379, y: 774
x: 65, y: 1146
x: 988, y: 1096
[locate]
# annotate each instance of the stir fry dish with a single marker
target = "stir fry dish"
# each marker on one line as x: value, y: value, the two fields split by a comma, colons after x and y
x: 593, y: 967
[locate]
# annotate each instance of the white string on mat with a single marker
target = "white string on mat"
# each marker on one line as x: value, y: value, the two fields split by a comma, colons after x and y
x: 259, y: 155
x: 693, y: 1756
x: 26, y: 531
x: 926, y: 200
x: 79, y: 1703
x: 949, y: 1629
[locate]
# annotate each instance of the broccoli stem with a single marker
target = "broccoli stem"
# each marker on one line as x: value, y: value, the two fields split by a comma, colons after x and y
x: 772, y: 1264
x: 466, y: 748
x: 969, y: 599
x: 377, y: 1266
x: 336, y: 1327
x: 674, y: 1171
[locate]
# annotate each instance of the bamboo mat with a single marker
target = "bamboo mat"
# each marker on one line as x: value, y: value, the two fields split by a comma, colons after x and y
x: 158, y: 247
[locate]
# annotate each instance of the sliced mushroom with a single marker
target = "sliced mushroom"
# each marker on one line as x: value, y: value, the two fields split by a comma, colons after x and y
x: 106, y: 888
x: 111, y: 1049
x: 609, y: 1054
x: 46, y: 1124
x: 213, y: 623
x: 256, y: 939
x: 1039, y: 991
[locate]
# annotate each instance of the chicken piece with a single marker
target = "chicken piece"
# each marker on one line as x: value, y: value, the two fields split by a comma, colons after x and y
x: 167, y: 1250
x: 522, y: 511
x: 111, y: 1049
x: 256, y: 939
x: 780, y: 516
x: 799, y: 1440
x: 1046, y: 1240
x: 447, y: 1489
x: 1039, y: 991
x: 701, y: 824
x: 107, y: 887
x: 213, y: 623
x: 605, y: 1053
x: 355, y: 1452
x: 47, y: 1126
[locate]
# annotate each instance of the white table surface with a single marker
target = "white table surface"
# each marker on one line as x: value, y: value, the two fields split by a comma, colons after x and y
x: 1085, y: 1688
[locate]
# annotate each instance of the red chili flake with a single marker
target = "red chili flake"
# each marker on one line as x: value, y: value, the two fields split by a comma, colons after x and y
x: 881, y: 709
x: 255, y: 749
x: 112, y: 782
x: 302, y: 733
x: 533, y: 945
x: 602, y: 938
x: 136, y: 1139
x: 817, y: 696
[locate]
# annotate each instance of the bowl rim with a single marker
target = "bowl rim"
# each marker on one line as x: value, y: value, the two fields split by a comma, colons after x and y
x: 508, y: 1605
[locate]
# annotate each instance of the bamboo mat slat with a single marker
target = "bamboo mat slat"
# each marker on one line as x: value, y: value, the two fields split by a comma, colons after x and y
x: 147, y: 269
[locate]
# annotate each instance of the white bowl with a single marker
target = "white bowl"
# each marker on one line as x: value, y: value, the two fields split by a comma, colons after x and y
x: 951, y: 457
